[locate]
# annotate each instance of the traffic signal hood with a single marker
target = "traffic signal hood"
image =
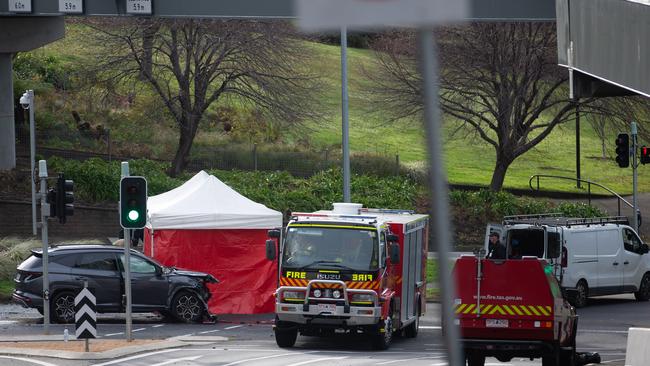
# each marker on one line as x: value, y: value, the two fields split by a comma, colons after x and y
x: 623, y: 150
x: 133, y: 202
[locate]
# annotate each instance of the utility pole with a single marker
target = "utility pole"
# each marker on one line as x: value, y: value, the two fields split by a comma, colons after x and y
x: 45, y: 213
x: 635, y: 165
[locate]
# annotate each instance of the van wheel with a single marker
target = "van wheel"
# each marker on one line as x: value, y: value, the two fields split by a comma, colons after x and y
x: 644, y: 289
x: 475, y: 359
x: 580, y: 297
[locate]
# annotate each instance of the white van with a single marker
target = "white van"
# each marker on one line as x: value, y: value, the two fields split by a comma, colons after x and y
x: 590, y: 257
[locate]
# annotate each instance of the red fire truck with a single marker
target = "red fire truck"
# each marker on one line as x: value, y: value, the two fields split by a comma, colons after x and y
x: 513, y: 308
x: 350, y: 270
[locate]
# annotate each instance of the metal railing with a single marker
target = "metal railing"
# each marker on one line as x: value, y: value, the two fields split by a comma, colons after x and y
x: 589, y: 184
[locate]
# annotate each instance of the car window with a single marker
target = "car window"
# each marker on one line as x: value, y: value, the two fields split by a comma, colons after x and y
x: 66, y: 260
x: 631, y: 242
x: 97, y: 261
x: 139, y: 265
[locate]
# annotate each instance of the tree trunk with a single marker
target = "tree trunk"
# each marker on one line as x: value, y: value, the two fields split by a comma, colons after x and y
x: 604, y: 148
x: 182, y: 153
x: 499, y: 175
x: 148, y: 34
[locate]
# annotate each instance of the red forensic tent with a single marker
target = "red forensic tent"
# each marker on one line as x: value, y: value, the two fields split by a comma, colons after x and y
x: 204, y: 225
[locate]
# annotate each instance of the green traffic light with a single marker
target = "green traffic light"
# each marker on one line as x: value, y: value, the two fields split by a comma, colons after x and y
x: 133, y: 216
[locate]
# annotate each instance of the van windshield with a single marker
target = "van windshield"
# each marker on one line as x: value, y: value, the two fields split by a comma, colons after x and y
x: 525, y: 242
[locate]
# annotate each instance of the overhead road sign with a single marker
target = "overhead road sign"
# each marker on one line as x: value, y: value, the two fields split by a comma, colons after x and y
x: 478, y: 9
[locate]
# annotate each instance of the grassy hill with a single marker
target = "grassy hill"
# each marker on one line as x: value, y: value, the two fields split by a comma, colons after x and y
x: 469, y: 160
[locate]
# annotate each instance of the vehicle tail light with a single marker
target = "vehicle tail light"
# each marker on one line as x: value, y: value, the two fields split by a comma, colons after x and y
x: 565, y: 257
x: 25, y: 276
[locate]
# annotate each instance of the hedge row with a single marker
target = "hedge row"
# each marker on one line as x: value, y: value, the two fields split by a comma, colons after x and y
x: 97, y: 181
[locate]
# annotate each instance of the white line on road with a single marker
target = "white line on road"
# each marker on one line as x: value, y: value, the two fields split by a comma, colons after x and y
x: 234, y: 326
x: 210, y: 331
x: 610, y: 361
x: 408, y: 359
x: 143, y: 355
x: 157, y: 325
x: 112, y: 334
x: 317, y: 360
x: 174, y: 360
x: 42, y: 363
x: 139, y: 329
x: 430, y: 327
x: 259, y: 358
x: 602, y: 331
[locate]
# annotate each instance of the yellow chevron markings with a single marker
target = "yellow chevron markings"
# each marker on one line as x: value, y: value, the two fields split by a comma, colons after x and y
x: 485, y: 308
x: 508, y: 309
x: 532, y: 308
x: 542, y: 310
x: 517, y: 309
x: 469, y: 308
x: 497, y: 308
x: 460, y: 308
x: 549, y: 310
x: 514, y: 310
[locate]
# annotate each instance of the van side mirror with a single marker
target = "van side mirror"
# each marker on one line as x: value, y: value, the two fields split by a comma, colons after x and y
x: 644, y: 248
x: 275, y: 234
x: 392, y: 238
x: 270, y: 250
x: 394, y: 254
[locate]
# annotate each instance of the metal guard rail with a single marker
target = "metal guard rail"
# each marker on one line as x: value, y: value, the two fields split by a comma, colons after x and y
x: 589, y: 184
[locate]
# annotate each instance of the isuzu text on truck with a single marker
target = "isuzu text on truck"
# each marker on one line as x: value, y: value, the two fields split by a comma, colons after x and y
x: 350, y: 270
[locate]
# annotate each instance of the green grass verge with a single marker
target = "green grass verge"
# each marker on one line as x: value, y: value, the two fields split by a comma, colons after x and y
x: 6, y: 289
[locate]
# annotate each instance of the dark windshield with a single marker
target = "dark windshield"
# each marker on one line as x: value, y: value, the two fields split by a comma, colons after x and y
x: 320, y: 247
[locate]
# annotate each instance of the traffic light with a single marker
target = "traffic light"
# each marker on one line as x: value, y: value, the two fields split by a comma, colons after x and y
x: 133, y: 202
x: 623, y: 150
x: 645, y: 155
x: 64, y: 198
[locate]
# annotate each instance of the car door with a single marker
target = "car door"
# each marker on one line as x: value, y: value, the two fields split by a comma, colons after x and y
x: 610, y: 263
x: 632, y: 269
x: 100, y: 270
x: 149, y: 287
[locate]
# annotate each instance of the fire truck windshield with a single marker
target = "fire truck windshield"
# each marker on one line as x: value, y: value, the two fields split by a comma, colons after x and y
x: 322, y: 247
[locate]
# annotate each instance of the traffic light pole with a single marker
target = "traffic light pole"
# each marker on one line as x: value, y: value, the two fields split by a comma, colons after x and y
x: 127, y: 268
x: 45, y: 213
x: 635, y: 165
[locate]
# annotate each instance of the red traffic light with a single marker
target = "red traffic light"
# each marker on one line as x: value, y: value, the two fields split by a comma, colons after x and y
x: 645, y: 155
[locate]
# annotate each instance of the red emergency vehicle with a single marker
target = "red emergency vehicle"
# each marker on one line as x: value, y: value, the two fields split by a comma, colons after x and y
x: 513, y: 308
x: 350, y: 270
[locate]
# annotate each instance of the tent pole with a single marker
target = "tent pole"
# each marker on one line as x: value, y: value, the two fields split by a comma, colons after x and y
x: 151, y: 242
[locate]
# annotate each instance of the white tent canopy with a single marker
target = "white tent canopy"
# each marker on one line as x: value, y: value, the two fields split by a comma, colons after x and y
x: 205, y: 202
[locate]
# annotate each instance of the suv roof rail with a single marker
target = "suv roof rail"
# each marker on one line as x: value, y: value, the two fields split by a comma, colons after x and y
x: 558, y: 220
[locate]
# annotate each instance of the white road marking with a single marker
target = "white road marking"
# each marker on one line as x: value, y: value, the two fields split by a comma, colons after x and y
x: 210, y: 331
x: 430, y: 327
x: 602, y: 331
x: 610, y: 361
x: 112, y: 334
x: 139, y: 329
x: 259, y: 358
x: 439, y: 364
x: 317, y: 360
x: 143, y: 355
x: 42, y: 363
x: 234, y: 326
x: 157, y: 325
x: 408, y: 359
x: 191, y: 358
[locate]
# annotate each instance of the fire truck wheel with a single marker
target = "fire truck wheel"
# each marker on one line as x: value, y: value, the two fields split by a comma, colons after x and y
x: 475, y: 359
x: 383, y: 337
x: 580, y: 297
x: 411, y: 331
x: 285, y: 338
x: 553, y: 359
x: 644, y: 289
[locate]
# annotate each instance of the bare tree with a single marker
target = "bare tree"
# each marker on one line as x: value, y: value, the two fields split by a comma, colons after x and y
x: 499, y: 80
x: 191, y: 64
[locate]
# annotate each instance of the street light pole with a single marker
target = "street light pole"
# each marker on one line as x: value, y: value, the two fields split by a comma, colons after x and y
x: 27, y: 101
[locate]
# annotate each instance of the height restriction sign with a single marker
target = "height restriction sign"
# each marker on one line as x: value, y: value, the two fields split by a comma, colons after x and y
x: 315, y: 15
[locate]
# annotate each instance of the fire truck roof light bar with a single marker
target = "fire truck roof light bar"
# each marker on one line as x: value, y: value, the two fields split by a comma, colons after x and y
x: 358, y: 217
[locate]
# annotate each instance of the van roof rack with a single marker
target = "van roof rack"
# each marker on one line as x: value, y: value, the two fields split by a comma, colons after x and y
x: 556, y: 219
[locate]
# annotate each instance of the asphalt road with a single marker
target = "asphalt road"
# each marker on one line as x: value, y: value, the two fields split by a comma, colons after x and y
x: 603, y: 328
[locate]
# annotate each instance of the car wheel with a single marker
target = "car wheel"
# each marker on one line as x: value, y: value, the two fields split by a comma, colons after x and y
x: 580, y: 297
x: 285, y: 334
x: 644, y: 289
x: 62, y: 307
x: 475, y: 359
x: 187, y: 307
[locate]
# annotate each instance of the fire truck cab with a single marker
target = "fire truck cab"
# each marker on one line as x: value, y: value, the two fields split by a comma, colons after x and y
x: 350, y: 270
x: 513, y: 308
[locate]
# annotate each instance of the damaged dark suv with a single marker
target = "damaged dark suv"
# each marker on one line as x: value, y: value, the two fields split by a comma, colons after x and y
x: 175, y: 293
